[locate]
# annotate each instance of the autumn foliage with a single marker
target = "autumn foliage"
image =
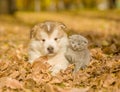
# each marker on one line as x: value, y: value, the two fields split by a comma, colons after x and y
x: 17, y: 75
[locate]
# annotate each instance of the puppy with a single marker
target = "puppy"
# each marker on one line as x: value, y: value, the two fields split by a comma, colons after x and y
x: 49, y: 39
x: 77, y: 52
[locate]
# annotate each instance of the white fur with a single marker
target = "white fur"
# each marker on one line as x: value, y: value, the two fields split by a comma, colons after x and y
x: 48, y: 26
x: 39, y: 48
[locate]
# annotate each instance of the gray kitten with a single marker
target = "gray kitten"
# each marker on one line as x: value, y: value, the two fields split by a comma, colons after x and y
x: 77, y: 52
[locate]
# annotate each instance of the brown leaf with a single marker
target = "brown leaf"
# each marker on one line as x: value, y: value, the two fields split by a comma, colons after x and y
x: 49, y: 88
x: 13, y: 83
x: 40, y: 64
x: 79, y: 89
x: 108, y: 81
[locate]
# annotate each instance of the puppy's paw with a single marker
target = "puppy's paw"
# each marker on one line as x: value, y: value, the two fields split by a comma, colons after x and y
x: 54, y: 70
x: 57, y: 68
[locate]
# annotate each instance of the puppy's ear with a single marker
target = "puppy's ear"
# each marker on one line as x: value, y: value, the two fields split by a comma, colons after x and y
x: 34, y: 30
x: 63, y: 26
x: 31, y: 33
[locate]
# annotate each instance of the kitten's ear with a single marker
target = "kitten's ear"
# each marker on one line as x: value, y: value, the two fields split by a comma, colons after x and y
x: 86, y: 41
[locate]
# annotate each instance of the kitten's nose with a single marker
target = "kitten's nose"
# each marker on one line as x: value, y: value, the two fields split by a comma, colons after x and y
x: 50, y: 49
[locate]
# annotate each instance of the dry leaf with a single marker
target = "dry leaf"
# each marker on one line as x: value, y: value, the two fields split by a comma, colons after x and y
x: 13, y: 83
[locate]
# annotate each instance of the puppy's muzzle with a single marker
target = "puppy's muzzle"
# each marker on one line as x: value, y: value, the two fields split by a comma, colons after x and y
x: 50, y: 49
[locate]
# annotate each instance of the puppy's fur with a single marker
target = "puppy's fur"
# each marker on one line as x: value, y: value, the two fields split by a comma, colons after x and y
x: 49, y: 39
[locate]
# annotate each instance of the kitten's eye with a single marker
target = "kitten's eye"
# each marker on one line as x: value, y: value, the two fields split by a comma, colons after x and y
x: 43, y: 40
x: 72, y: 42
x: 85, y: 42
x: 56, y: 39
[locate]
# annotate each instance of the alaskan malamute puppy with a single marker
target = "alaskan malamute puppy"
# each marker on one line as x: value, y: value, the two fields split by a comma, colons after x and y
x: 49, y: 39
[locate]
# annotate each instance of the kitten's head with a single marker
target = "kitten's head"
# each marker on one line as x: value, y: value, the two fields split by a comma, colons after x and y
x: 78, y: 42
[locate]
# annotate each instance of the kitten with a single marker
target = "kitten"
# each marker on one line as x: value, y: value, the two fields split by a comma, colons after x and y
x: 77, y: 52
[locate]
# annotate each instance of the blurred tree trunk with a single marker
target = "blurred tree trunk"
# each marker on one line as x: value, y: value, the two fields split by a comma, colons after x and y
x: 102, y: 4
x: 28, y: 4
x: 3, y: 6
x: 52, y: 6
x: 118, y: 4
x: 11, y: 6
x: 112, y: 4
x: 37, y: 5
x: 59, y: 4
x: 89, y: 3
x: 67, y: 4
x: 7, y: 6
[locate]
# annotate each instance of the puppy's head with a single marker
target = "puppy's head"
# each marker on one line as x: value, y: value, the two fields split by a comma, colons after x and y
x: 51, y: 37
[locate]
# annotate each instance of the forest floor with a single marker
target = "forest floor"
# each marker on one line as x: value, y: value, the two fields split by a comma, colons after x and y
x: 102, y: 75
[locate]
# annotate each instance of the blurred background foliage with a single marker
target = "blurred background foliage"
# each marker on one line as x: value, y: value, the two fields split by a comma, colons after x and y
x: 97, y: 20
x: 10, y: 6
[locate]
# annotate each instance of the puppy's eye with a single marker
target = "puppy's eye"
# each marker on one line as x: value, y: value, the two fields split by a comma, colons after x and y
x: 56, y: 39
x: 43, y: 40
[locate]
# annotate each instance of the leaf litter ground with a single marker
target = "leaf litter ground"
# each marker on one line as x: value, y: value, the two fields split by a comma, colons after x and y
x: 17, y: 75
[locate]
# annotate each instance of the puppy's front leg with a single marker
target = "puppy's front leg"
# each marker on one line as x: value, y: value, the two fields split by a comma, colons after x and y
x: 33, y: 55
x: 56, y: 69
x: 60, y: 66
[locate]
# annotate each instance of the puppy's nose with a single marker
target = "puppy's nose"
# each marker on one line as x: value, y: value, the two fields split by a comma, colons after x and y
x: 50, y: 49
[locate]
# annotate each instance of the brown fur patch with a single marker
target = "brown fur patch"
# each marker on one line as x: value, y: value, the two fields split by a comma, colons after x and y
x: 48, y: 27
